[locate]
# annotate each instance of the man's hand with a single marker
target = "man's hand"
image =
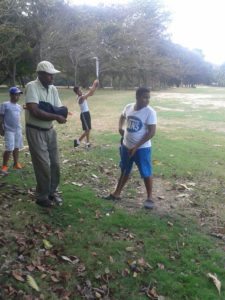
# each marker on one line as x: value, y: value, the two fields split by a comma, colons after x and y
x: 96, y: 83
x: 60, y: 119
x: 132, y: 151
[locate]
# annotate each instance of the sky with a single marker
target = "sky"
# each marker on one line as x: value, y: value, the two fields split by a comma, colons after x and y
x: 194, y: 24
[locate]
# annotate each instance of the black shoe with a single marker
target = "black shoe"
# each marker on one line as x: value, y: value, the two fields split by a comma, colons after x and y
x: 44, y: 202
x: 56, y: 199
x: 75, y: 143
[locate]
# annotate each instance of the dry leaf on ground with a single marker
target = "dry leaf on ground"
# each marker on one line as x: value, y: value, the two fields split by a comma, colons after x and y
x: 32, y: 283
x: 215, y: 281
x: 17, y: 275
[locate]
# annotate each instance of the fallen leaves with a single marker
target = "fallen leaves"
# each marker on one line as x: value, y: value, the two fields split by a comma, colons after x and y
x: 47, y: 244
x: 151, y: 293
x: 45, y: 267
x: 87, y: 291
x: 71, y: 259
x: 215, y: 280
x: 18, y: 275
x: 32, y: 283
x: 77, y: 183
x: 130, y: 249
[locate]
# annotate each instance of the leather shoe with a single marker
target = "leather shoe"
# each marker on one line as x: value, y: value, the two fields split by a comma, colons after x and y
x: 44, y: 202
x: 56, y: 199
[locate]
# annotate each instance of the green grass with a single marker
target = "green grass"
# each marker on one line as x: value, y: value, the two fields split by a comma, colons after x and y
x: 185, y: 254
x: 177, y: 254
x: 187, y: 152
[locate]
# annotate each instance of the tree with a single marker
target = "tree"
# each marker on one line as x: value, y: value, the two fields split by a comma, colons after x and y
x: 13, y: 42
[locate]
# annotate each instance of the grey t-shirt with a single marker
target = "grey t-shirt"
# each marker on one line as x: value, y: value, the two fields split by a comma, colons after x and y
x: 12, y: 115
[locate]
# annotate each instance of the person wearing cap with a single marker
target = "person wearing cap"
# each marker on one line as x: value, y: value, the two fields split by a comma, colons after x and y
x: 41, y: 135
x: 11, y: 129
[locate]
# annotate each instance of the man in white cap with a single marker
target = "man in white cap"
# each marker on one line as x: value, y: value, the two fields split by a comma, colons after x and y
x: 41, y: 135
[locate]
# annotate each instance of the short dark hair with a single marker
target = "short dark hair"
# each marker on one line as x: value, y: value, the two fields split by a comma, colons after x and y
x: 76, y: 89
x: 142, y: 90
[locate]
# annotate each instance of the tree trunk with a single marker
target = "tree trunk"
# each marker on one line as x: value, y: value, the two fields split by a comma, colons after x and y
x: 22, y: 83
x: 14, y: 74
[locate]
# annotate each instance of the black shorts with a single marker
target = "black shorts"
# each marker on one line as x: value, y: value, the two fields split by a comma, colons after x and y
x: 85, y: 118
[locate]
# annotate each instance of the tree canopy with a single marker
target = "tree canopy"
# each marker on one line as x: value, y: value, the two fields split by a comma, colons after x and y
x: 131, y: 42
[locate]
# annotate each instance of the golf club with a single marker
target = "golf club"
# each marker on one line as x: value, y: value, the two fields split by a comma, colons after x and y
x: 97, y: 66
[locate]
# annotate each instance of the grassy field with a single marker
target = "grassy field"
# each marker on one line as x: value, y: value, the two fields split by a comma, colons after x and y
x: 101, y: 250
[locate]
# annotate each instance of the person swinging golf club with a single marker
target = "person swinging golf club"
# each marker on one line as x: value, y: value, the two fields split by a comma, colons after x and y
x: 137, y: 126
x: 85, y: 115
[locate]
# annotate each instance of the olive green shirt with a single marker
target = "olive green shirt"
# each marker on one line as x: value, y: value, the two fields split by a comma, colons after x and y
x: 35, y: 92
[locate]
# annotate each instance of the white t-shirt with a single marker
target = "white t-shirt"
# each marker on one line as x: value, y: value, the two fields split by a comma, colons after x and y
x: 136, y: 124
x: 83, y: 105
x: 12, y: 115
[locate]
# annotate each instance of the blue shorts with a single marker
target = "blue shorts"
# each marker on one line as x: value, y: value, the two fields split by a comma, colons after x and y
x: 142, y: 159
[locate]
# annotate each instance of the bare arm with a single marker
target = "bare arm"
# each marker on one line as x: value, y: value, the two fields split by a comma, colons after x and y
x: 121, y: 124
x: 90, y: 92
x: 42, y: 115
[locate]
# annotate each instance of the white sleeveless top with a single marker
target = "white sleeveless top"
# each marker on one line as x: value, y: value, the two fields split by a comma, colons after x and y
x: 83, y: 105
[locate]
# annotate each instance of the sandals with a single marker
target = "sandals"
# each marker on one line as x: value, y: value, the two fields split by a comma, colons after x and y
x: 149, y: 204
x: 112, y: 197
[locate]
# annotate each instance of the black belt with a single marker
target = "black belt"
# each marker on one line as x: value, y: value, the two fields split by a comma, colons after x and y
x: 38, y: 128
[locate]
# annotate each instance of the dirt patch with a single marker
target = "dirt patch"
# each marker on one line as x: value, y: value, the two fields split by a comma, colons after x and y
x: 186, y: 199
x: 174, y: 197
x: 169, y: 198
x: 194, y: 100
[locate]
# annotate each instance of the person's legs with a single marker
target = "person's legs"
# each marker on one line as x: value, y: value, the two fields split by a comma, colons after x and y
x: 18, y: 145
x: 148, y: 185
x: 126, y: 164
x: 6, y: 156
x: 15, y: 156
x: 54, y: 162
x: 37, y: 141
x: 84, y: 134
x: 9, y: 138
x: 143, y: 160
x: 88, y: 135
x: 86, y: 128
x: 121, y: 183
x: 55, y: 169
x: 86, y: 125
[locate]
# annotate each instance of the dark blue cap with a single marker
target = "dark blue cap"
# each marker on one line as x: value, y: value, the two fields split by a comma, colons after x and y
x: 15, y: 90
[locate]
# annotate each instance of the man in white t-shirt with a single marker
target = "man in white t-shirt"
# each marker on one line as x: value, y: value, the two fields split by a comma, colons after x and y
x: 137, y: 125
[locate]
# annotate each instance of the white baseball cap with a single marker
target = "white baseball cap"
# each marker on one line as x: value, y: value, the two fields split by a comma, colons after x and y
x: 46, y: 66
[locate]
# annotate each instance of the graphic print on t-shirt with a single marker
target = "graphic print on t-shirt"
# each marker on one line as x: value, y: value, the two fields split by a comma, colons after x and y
x: 134, y: 124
